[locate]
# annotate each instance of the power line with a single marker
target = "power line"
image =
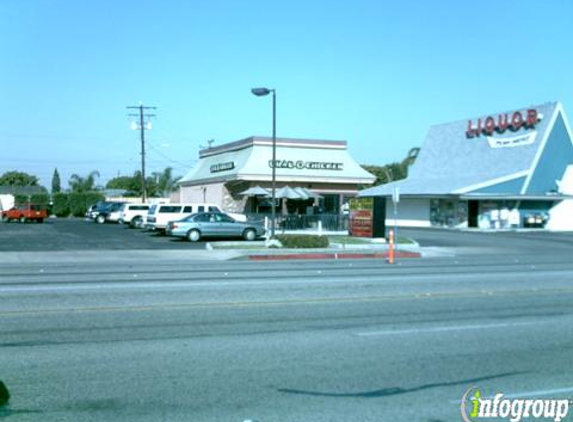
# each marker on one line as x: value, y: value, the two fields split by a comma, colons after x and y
x: 179, y: 163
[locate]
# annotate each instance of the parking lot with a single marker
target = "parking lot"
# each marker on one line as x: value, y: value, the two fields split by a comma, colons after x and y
x: 66, y: 234
x: 77, y: 234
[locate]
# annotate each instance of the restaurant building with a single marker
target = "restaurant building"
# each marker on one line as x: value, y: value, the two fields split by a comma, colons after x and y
x: 225, y: 172
x: 502, y: 170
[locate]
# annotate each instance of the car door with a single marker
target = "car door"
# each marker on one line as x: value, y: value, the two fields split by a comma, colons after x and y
x: 228, y: 227
x: 201, y: 222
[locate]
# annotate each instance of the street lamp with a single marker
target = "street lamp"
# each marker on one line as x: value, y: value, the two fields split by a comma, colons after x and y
x: 261, y: 92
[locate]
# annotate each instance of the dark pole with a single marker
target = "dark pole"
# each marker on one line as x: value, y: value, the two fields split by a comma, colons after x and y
x: 273, y: 213
x: 261, y: 92
x: 143, y: 182
x: 142, y: 129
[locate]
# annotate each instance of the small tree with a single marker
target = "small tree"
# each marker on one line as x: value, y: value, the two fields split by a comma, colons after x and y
x: 56, y: 183
x: 83, y: 184
x: 393, y: 171
x: 18, y: 178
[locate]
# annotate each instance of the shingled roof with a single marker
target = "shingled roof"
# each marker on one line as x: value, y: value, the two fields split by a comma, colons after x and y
x: 450, y: 162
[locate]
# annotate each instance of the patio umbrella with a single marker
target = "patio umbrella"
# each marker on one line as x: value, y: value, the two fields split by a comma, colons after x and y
x: 288, y: 193
x: 256, y: 191
x: 310, y: 193
x: 302, y: 193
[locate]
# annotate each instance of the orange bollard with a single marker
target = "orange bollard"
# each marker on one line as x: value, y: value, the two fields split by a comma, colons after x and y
x: 391, y: 246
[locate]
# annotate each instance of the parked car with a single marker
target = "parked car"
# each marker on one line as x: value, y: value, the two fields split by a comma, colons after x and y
x: 107, y: 211
x: 213, y: 224
x: 160, y: 214
x: 90, y: 211
x: 133, y: 214
x: 95, y: 209
x: 26, y: 212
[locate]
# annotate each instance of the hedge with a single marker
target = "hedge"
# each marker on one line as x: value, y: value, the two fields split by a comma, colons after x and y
x: 80, y: 202
x: 61, y: 206
x: 75, y: 203
x: 40, y: 198
x: 20, y: 199
x: 299, y: 241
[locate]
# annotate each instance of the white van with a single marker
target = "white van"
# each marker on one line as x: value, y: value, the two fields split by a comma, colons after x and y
x: 133, y: 214
x: 161, y: 214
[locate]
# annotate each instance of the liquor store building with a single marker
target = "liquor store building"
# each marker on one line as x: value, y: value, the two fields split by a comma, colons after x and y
x: 503, y: 170
x: 226, y: 172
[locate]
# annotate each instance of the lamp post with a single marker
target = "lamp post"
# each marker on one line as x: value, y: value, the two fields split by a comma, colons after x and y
x: 261, y: 92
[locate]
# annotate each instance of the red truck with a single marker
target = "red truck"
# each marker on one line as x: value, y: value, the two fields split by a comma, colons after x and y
x: 26, y: 212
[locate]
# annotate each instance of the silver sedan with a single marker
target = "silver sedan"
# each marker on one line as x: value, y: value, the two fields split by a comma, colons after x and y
x: 213, y: 224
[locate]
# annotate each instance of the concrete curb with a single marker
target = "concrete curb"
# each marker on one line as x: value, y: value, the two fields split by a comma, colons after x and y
x: 331, y: 255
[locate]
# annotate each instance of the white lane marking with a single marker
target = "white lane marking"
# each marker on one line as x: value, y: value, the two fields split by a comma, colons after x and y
x: 163, y: 284
x: 446, y: 328
x: 531, y: 394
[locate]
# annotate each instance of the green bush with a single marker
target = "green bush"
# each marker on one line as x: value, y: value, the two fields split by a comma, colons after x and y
x: 75, y: 203
x: 40, y: 198
x: 93, y: 198
x: 20, y: 199
x: 61, y: 204
x: 303, y: 241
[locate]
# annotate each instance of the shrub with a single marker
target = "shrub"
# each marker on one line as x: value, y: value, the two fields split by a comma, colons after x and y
x: 303, y: 241
x: 20, y: 199
x: 61, y: 204
x: 93, y: 198
x: 40, y: 198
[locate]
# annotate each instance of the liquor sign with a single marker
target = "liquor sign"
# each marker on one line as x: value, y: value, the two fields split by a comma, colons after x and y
x: 361, y: 217
x: 503, y: 122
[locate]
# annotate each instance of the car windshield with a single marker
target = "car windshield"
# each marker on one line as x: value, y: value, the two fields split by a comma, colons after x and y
x: 116, y: 207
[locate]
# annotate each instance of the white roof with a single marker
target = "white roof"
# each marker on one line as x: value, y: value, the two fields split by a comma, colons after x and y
x: 298, y: 160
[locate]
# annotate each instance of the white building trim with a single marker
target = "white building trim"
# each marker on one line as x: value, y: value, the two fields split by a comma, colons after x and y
x: 492, y: 182
x: 558, y: 110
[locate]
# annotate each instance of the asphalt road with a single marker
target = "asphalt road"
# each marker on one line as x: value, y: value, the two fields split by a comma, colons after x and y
x: 290, y: 341
x: 502, y: 244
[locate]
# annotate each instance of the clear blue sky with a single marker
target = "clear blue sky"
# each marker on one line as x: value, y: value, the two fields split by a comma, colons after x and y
x: 374, y: 73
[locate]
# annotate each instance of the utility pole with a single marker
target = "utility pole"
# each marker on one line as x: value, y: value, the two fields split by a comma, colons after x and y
x: 141, y: 126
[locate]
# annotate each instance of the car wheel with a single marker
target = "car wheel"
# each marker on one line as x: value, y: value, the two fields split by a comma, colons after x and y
x: 249, y: 234
x: 193, y: 235
x: 100, y: 219
x: 22, y: 219
x: 135, y: 222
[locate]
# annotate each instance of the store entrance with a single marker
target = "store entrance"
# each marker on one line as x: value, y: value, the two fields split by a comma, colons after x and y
x: 473, y: 212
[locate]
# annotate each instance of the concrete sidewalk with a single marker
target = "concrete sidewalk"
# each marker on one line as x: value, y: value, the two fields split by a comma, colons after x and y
x: 104, y: 257
x: 114, y: 256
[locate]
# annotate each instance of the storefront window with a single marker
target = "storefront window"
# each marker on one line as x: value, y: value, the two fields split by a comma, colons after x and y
x: 446, y: 212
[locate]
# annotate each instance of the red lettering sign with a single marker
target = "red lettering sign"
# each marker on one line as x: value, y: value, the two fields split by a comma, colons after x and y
x: 503, y: 123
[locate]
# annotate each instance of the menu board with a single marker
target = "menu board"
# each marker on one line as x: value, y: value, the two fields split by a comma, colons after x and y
x: 361, y: 217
